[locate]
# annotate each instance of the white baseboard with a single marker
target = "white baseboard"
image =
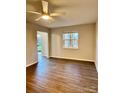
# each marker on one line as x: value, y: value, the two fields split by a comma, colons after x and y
x: 31, y: 64
x: 73, y: 59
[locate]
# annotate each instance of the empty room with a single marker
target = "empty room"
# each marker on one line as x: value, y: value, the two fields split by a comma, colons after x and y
x: 61, y: 46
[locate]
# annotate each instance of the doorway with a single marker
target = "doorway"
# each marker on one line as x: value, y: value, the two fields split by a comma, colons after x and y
x: 42, y: 45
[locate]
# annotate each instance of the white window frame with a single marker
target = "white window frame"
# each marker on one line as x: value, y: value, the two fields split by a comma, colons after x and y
x: 70, y: 40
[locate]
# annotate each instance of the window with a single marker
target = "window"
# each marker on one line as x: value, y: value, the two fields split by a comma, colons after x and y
x: 70, y: 40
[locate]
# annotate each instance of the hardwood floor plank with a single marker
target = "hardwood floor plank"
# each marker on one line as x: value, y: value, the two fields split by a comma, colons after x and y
x: 61, y: 76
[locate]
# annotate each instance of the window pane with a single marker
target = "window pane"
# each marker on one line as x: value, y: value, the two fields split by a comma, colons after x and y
x: 74, y: 36
x: 66, y: 43
x: 66, y: 36
x: 75, y: 43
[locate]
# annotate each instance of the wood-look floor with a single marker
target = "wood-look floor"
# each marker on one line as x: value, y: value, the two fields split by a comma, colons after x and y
x: 61, y: 76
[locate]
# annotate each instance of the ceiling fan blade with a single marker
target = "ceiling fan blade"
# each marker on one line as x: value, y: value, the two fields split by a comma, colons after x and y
x: 56, y: 14
x: 45, y: 6
x: 34, y: 12
x: 38, y: 19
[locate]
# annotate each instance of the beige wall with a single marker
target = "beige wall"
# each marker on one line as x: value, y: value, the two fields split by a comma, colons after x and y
x: 86, y: 43
x: 31, y: 39
x: 95, y: 43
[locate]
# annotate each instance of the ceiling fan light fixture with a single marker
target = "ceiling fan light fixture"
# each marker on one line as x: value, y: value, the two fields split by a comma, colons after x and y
x: 45, y: 17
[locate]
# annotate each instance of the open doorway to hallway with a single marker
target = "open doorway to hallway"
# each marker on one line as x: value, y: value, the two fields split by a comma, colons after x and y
x: 42, y: 44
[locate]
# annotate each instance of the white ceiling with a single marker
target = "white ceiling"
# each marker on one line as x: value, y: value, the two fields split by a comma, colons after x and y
x: 76, y: 12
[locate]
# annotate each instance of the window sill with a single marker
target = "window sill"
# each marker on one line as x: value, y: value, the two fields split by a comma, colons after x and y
x: 71, y: 48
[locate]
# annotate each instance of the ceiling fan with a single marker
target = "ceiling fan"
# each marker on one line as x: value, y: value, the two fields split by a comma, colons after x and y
x: 45, y: 13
